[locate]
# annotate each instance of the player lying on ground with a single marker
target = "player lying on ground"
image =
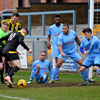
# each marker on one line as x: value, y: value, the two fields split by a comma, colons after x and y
x: 9, y: 51
x: 90, y: 45
x: 40, y: 69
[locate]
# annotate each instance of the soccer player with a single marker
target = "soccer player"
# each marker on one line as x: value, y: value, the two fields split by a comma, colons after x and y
x: 53, y: 33
x: 40, y: 69
x: 90, y: 46
x: 3, y: 32
x: 14, y: 24
x: 67, y: 48
x: 13, y: 40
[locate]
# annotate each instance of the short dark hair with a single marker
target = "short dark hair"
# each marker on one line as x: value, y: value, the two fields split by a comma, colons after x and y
x: 43, y: 52
x: 15, y: 14
x: 87, y: 30
x: 25, y: 29
x: 66, y: 25
x: 57, y: 16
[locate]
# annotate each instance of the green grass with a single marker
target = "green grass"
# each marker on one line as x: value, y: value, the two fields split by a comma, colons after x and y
x: 31, y: 92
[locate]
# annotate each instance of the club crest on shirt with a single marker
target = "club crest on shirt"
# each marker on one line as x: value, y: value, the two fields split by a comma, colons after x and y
x: 15, y: 27
x: 72, y: 37
x: 46, y: 65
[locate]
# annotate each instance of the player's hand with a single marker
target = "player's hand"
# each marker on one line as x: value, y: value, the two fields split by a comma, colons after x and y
x: 48, y: 45
x: 18, y: 52
x: 30, y: 51
x: 86, y: 52
x: 3, y: 60
x: 63, y: 54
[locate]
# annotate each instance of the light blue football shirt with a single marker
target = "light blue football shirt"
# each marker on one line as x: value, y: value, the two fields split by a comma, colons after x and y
x: 54, y: 31
x: 45, y: 66
x: 92, y: 45
x: 68, y: 42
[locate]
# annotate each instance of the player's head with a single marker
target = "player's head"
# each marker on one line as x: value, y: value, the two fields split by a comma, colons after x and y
x: 15, y: 17
x: 87, y: 33
x: 25, y: 31
x: 5, y: 26
x: 57, y: 20
x: 42, y: 55
x: 65, y: 28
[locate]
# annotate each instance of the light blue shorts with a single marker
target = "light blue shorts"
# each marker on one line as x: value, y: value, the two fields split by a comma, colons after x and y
x: 37, y: 78
x: 74, y: 56
x: 91, y: 61
x: 55, y: 50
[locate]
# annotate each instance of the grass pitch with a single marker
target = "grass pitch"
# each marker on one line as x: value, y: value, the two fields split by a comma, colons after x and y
x: 61, y: 90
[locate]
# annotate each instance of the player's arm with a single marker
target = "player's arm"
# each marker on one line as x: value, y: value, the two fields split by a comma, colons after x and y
x: 81, y: 50
x: 2, y: 44
x: 60, y: 46
x: 48, y: 42
x: 49, y: 38
x: 21, y: 41
x: 4, y: 38
x: 19, y: 26
x: 78, y: 40
x: 61, y: 51
x: 82, y: 47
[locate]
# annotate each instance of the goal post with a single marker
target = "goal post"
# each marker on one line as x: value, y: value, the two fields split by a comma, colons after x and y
x: 91, y: 23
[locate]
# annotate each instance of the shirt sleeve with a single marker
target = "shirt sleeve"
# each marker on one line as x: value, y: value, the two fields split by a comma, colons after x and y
x: 33, y: 66
x: 75, y: 34
x: 98, y: 44
x: 82, y: 44
x: 21, y: 41
x: 81, y: 50
x: 49, y: 31
x: 60, y: 39
x: 19, y: 27
x: 4, y: 38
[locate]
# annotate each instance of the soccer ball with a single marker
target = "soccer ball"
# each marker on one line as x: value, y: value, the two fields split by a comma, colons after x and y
x: 21, y: 83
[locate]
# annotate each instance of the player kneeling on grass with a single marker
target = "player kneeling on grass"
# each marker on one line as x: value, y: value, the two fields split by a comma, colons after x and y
x: 40, y: 69
x: 9, y: 51
x: 90, y: 45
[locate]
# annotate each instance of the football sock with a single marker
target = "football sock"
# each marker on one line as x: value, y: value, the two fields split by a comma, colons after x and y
x: 1, y: 73
x: 55, y: 73
x: 6, y: 66
x: 13, y: 71
x: 33, y: 73
x: 84, y: 75
x: 98, y: 71
x: 44, y: 77
x: 9, y: 69
x: 55, y: 67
